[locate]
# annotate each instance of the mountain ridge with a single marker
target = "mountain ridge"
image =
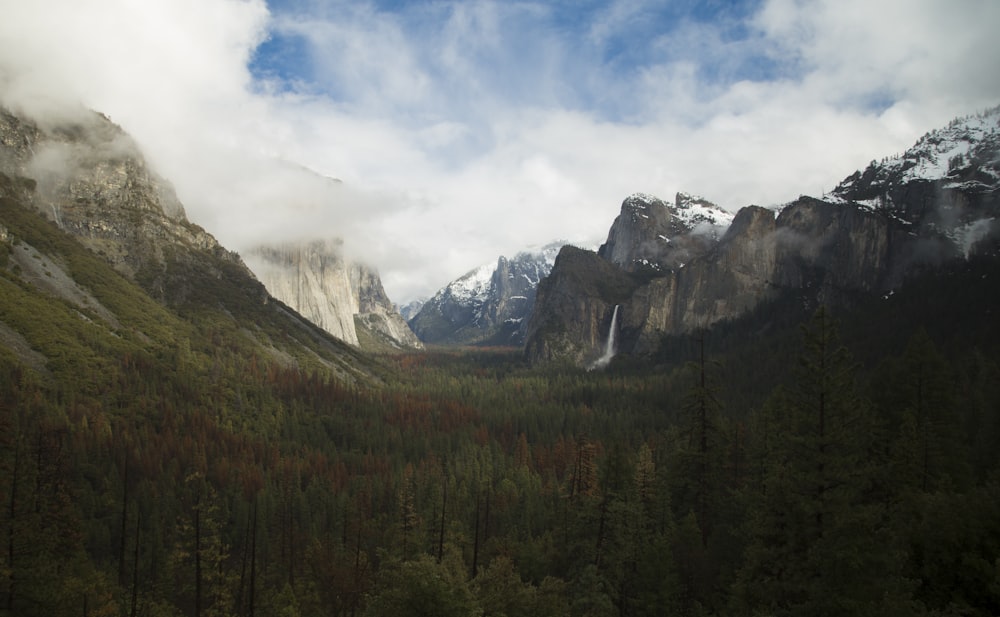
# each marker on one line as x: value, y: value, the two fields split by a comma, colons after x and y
x: 89, y: 180
x: 489, y: 305
x: 875, y: 230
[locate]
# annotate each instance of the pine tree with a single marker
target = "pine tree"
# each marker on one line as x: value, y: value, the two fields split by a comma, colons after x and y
x: 917, y: 391
x: 818, y: 543
x: 700, y: 457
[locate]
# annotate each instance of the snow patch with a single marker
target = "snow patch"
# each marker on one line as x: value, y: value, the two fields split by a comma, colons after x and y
x: 474, y: 285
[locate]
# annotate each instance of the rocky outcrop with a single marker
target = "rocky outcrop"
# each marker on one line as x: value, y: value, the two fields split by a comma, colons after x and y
x: 649, y: 233
x: 334, y: 293
x: 490, y: 305
x: 90, y: 178
x: 931, y: 205
x: 574, y: 307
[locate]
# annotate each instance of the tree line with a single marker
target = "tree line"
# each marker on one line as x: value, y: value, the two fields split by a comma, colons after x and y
x: 470, y: 484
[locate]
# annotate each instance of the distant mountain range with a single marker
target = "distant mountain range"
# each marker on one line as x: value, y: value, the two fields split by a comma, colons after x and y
x: 669, y: 267
x: 676, y: 268
x: 489, y: 305
x: 686, y: 264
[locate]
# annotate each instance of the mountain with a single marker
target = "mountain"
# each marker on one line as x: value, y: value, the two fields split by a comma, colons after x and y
x: 87, y: 224
x: 490, y: 305
x: 410, y: 309
x: 344, y: 298
x: 649, y: 233
x: 937, y: 202
x: 946, y: 183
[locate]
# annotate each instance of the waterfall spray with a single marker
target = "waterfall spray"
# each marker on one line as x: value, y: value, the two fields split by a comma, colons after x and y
x: 609, y: 346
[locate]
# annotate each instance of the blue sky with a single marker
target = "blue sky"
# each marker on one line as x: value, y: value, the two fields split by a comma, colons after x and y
x: 466, y: 130
x: 583, y: 56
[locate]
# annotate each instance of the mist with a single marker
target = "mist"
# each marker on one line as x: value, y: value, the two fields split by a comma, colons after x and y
x: 432, y: 141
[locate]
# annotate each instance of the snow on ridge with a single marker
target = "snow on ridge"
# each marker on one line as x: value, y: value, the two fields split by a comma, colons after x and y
x: 934, y: 154
x: 546, y: 254
x: 643, y: 199
x: 963, y: 154
x: 695, y: 211
x: 474, y: 285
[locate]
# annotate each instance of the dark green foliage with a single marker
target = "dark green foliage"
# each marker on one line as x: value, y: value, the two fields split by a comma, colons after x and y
x: 424, y: 588
x: 215, y: 455
x: 816, y: 517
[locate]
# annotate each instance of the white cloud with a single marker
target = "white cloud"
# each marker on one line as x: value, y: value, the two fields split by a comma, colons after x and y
x: 465, y: 130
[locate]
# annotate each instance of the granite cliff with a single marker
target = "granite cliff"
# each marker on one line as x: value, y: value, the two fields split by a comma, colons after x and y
x: 908, y: 213
x: 343, y: 297
x: 89, y: 179
x: 490, y: 305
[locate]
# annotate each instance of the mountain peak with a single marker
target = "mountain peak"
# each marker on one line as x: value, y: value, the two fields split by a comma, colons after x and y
x: 936, y: 203
x: 651, y: 233
x: 697, y: 211
x: 108, y: 211
x: 490, y: 304
x: 946, y: 186
x: 964, y: 155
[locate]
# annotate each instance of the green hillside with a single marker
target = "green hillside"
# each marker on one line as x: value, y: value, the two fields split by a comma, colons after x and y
x: 216, y: 455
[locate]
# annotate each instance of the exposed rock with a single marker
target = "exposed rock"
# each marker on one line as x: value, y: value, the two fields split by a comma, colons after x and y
x: 336, y: 294
x: 574, y: 308
x: 90, y: 178
x: 940, y: 201
x: 649, y: 233
x: 490, y: 305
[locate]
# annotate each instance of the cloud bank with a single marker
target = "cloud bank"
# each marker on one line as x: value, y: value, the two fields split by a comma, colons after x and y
x: 459, y: 131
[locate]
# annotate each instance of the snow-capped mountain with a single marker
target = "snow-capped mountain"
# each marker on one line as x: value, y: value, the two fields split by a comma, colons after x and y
x: 936, y: 204
x: 699, y: 215
x: 489, y: 305
x: 411, y: 308
x: 963, y: 155
x: 649, y: 233
x: 946, y: 183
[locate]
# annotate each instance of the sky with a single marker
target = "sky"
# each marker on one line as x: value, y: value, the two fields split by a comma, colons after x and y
x: 434, y: 136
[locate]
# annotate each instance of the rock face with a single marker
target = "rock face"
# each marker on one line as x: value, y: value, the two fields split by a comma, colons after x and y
x: 574, y: 307
x: 649, y: 233
x: 340, y: 296
x: 490, y: 305
x: 90, y: 178
x: 919, y: 210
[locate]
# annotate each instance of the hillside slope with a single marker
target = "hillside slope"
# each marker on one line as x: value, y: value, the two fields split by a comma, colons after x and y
x: 87, y: 223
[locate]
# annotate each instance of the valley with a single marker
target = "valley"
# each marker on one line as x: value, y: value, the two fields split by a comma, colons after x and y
x: 787, y: 426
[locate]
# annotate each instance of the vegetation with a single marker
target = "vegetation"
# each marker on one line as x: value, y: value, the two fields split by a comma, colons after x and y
x: 192, y: 461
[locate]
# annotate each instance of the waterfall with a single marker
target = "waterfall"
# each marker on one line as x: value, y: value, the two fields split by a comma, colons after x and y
x: 609, y: 346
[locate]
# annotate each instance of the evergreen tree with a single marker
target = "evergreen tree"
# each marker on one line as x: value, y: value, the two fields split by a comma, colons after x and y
x: 423, y: 587
x: 818, y: 543
x: 700, y: 452
x: 916, y: 392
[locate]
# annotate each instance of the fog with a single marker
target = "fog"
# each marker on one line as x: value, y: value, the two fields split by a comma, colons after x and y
x: 435, y: 138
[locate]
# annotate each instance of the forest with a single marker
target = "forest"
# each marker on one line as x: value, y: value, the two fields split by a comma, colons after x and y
x: 803, y: 460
